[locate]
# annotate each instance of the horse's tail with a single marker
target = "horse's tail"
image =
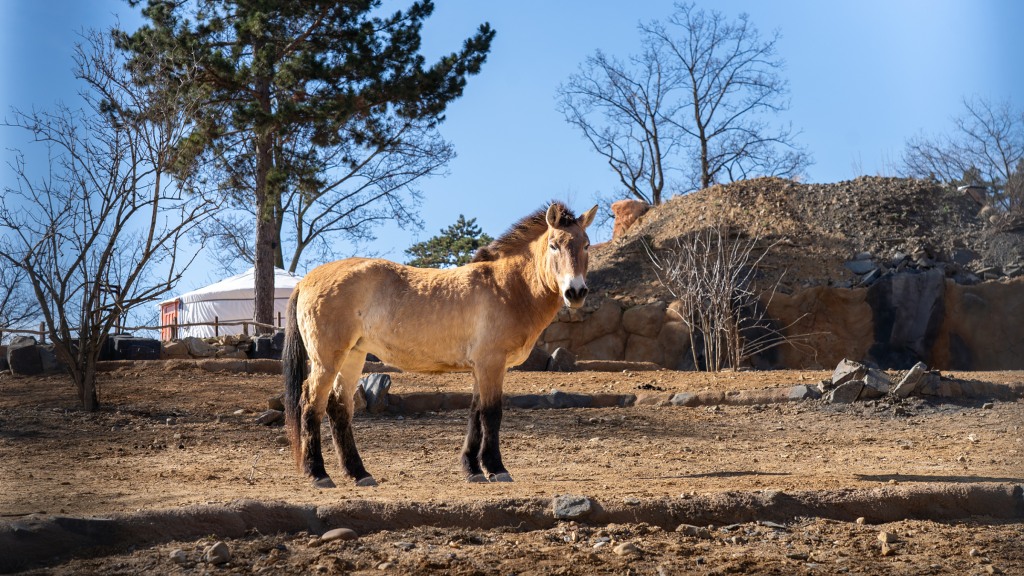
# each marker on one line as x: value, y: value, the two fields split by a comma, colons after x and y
x: 293, y: 360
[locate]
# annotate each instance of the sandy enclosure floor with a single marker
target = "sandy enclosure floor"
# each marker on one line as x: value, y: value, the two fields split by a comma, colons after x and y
x: 165, y: 439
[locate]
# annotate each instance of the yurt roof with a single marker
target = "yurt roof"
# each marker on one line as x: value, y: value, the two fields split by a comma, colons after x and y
x: 240, y: 287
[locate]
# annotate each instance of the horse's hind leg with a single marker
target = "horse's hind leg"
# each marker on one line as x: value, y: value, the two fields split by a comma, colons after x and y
x: 340, y: 408
x: 313, y: 403
x: 471, y: 448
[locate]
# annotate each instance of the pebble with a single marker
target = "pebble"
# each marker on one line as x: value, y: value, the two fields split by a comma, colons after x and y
x: 886, y: 537
x: 178, y: 556
x: 988, y: 406
x: 974, y: 553
x: 886, y: 549
x: 696, y: 531
x: 862, y: 520
x: 219, y: 553
x: 404, y: 545
x: 339, y: 534
x: 626, y: 548
x: 991, y: 569
x: 385, y: 566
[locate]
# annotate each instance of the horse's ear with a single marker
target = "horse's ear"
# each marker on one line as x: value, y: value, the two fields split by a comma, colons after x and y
x: 587, y: 218
x: 552, y: 216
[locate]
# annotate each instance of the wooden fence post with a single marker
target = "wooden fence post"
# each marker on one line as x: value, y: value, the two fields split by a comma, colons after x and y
x: 42, y: 332
x: 216, y: 326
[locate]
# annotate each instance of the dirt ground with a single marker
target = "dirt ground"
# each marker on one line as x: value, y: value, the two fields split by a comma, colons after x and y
x: 170, y: 439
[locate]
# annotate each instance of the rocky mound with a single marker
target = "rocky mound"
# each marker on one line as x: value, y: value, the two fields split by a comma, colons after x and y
x: 844, y: 234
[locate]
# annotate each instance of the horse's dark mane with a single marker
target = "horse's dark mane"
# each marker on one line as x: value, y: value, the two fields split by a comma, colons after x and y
x: 523, y: 232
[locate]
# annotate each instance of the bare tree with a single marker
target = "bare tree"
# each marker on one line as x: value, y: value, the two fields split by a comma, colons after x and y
x: 985, y: 148
x: 699, y: 102
x: 18, y: 304
x: 344, y: 190
x: 96, y: 231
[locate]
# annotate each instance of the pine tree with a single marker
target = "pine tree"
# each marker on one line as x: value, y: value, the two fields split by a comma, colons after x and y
x: 455, y: 246
x: 272, y: 73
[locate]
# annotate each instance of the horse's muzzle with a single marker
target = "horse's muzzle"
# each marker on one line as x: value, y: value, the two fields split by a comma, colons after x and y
x: 574, y: 297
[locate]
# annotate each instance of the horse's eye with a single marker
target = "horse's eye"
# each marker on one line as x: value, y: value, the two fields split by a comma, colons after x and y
x: 553, y: 247
x: 586, y: 247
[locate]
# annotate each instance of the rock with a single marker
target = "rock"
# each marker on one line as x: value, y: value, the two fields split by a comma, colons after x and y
x: 684, y: 399
x: 607, y: 347
x: 23, y: 356
x: 178, y: 556
x: 848, y: 370
x: 198, y: 348
x: 988, y: 406
x: 606, y: 320
x: 219, y: 553
x: 643, y: 349
x: 626, y: 213
x: 562, y: 360
x: 49, y: 361
x: 878, y: 380
x: 625, y: 549
x: 537, y: 361
x: 860, y: 267
x: 276, y: 402
x: 845, y: 393
x: 173, y: 350
x: 800, y: 392
x: 861, y: 520
x: 375, y: 387
x: 886, y: 549
x: 886, y: 537
x: 644, y: 320
x: 559, y: 399
x: 910, y: 380
x: 571, y: 507
x: 270, y: 417
x: 695, y: 531
x: 339, y: 534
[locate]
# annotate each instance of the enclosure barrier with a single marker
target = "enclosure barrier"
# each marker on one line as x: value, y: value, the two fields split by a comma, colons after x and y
x: 217, y: 323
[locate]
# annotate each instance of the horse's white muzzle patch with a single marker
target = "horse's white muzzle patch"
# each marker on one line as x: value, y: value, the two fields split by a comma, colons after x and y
x: 574, y: 290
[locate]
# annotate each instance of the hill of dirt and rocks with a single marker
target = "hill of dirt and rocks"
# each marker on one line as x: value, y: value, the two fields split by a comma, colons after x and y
x: 845, y: 234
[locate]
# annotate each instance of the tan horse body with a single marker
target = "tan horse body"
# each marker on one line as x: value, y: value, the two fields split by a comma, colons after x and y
x: 482, y: 317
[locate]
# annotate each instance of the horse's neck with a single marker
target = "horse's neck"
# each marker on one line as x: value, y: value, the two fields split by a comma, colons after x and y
x: 526, y: 270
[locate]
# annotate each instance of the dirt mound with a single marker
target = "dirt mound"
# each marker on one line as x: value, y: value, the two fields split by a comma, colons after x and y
x: 816, y: 229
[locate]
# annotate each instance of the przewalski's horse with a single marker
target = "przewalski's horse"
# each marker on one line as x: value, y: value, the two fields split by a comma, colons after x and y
x: 482, y: 317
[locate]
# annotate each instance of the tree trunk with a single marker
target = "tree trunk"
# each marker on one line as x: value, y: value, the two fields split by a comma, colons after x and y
x: 266, y: 228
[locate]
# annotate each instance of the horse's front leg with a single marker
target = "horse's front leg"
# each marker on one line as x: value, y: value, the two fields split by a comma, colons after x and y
x: 482, y: 446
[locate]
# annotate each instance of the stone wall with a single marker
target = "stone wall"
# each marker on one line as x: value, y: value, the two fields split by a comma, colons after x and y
x: 899, y: 320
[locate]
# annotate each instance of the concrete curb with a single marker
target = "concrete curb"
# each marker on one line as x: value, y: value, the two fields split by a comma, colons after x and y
x: 37, y: 539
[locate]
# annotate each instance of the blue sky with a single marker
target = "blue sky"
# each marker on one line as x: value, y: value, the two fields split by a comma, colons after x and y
x: 864, y: 76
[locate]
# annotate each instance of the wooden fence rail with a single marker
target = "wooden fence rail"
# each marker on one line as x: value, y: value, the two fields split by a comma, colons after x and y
x: 217, y: 323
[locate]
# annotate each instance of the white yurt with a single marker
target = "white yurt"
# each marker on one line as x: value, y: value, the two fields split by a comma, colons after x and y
x: 230, y: 300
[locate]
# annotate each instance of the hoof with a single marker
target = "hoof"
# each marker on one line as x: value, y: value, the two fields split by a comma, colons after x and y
x: 476, y: 478
x: 366, y: 481
x: 324, y: 482
x: 501, y: 477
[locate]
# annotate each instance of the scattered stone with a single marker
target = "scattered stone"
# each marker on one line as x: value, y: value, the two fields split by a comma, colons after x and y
x: 992, y: 569
x: 276, y: 402
x: 911, y: 380
x: 406, y: 546
x: 845, y: 393
x: 860, y: 267
x: 23, y: 356
x: 375, y: 388
x: 537, y: 361
x: 861, y: 520
x: 571, y: 507
x: 178, y: 556
x: 886, y: 549
x: 270, y: 417
x: 695, y: 531
x: 626, y: 548
x: 886, y: 537
x: 848, y: 370
x: 199, y: 348
x: 562, y: 360
x: 877, y: 380
x: 219, y: 553
x: 803, y: 392
x: 684, y: 399
x: 339, y: 534
x: 988, y: 406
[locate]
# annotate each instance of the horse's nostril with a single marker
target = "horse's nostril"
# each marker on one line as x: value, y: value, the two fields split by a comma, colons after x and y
x: 574, y: 294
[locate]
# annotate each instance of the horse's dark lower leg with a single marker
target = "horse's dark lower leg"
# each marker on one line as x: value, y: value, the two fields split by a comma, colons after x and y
x: 471, y: 449
x: 312, y: 455
x: 490, y: 452
x: 344, y: 442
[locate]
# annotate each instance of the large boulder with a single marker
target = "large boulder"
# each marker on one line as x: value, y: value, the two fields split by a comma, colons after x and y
x: 626, y: 213
x: 908, y: 311
x: 23, y: 356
